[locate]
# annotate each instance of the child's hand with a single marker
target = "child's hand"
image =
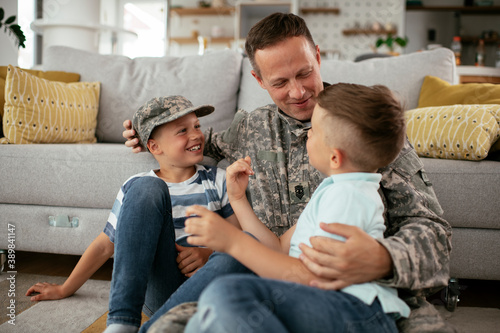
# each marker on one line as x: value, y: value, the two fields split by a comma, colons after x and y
x: 191, y: 259
x: 47, y: 291
x: 209, y: 229
x: 237, y: 178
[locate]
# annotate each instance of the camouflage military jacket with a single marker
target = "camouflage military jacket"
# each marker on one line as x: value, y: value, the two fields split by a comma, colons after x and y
x: 418, y: 239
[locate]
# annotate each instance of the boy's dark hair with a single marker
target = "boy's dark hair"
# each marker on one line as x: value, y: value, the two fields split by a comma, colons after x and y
x: 367, y: 122
x: 273, y: 29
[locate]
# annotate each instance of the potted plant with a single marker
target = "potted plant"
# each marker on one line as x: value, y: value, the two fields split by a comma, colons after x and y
x: 390, y: 41
x: 12, y: 28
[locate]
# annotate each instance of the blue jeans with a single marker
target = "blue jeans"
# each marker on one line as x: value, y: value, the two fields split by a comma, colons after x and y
x: 219, y: 264
x: 145, y: 272
x: 244, y: 303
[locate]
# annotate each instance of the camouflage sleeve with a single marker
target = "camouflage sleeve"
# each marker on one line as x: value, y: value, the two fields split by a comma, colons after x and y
x: 224, y: 144
x: 417, y: 238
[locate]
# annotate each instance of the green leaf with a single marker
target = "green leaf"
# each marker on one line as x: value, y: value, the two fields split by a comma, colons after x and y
x: 10, y: 19
x: 401, y: 42
x: 16, y: 30
x: 2, y: 13
x: 379, y: 42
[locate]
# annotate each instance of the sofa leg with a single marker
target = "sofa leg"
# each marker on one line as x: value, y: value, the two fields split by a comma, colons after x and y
x: 3, y: 259
x: 452, y: 292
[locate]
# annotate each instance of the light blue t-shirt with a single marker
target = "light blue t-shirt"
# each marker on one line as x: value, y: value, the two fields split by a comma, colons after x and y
x: 353, y: 199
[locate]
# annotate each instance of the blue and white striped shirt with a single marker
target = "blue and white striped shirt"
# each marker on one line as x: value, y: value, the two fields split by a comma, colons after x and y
x: 207, y: 188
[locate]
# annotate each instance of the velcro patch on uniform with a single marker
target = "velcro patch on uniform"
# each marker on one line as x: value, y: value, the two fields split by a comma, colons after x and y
x: 299, y: 192
x: 271, y: 156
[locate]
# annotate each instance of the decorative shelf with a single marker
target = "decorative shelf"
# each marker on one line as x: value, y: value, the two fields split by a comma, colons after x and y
x: 475, y: 39
x: 488, y: 10
x: 321, y: 10
x: 348, y: 32
x: 203, y: 11
x: 191, y: 40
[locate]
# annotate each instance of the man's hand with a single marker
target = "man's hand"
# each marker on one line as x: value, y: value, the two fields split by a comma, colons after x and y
x: 209, y: 229
x: 237, y: 178
x: 47, y: 291
x: 357, y: 260
x: 191, y: 259
x: 129, y: 134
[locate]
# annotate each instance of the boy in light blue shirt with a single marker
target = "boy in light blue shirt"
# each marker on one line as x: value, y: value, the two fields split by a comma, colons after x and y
x: 355, y: 130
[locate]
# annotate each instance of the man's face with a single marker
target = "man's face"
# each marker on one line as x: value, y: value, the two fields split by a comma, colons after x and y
x: 289, y: 71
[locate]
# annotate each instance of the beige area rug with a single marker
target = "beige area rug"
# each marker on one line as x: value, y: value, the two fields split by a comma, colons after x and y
x: 72, y: 314
x: 472, y: 319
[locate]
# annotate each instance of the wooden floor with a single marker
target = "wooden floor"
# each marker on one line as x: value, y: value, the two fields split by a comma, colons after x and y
x: 474, y: 293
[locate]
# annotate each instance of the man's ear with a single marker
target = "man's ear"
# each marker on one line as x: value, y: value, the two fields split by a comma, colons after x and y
x: 336, y: 159
x: 258, y: 78
x: 153, y: 147
x: 318, y: 55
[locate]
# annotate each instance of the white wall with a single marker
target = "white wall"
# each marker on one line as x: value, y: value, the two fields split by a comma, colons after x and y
x: 8, y: 44
x: 327, y: 29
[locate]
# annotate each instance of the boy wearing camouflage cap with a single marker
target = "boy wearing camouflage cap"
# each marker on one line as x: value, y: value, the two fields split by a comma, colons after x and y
x: 152, y: 258
x: 170, y: 129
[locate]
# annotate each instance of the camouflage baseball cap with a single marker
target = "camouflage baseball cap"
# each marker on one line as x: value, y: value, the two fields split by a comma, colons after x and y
x: 161, y: 110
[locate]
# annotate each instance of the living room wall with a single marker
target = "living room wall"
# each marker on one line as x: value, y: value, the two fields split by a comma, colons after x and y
x: 9, y: 50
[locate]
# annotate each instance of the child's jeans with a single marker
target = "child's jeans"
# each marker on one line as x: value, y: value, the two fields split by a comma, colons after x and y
x: 145, y: 272
x: 244, y: 303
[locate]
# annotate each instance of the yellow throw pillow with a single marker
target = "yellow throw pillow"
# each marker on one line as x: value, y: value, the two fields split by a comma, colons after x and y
x: 48, y: 75
x: 437, y: 92
x: 42, y: 111
x: 454, y: 132
x: 496, y: 113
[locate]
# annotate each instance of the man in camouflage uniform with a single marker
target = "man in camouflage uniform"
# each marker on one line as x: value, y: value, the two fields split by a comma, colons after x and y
x: 418, y: 239
x: 415, y: 255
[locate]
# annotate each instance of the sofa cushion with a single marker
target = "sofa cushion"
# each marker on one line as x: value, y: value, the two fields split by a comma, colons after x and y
x: 436, y: 92
x: 403, y: 74
x: 126, y: 83
x: 455, y: 131
x: 251, y: 94
x: 77, y: 175
x: 42, y: 111
x: 51, y: 75
x: 55, y: 169
x: 466, y: 190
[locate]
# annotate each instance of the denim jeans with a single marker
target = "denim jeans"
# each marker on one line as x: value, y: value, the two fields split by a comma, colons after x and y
x: 145, y: 271
x: 219, y: 264
x: 243, y: 303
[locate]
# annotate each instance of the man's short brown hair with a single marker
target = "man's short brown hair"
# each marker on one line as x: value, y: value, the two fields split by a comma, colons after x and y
x: 273, y: 29
x: 367, y: 123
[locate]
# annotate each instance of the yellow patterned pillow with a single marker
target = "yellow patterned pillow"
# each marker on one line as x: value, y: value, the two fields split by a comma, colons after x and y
x: 43, y: 111
x: 454, y: 131
x: 48, y: 75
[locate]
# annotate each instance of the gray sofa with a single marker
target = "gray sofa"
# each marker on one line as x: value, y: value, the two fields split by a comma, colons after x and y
x: 81, y: 180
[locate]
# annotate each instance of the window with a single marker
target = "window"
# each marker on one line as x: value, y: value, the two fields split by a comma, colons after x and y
x: 148, y: 20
